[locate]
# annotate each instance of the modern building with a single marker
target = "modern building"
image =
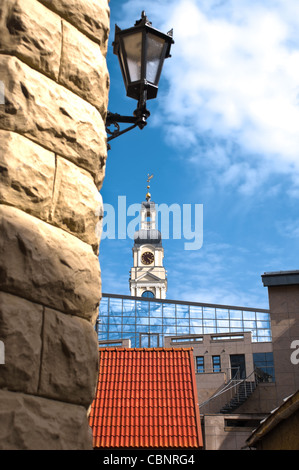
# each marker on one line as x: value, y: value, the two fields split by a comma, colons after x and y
x: 230, y: 345
x: 147, y: 321
x: 243, y: 357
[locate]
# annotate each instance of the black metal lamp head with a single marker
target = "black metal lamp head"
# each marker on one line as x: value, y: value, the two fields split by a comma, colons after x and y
x: 141, y: 52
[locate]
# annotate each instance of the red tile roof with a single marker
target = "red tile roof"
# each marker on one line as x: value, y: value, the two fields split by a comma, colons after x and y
x: 146, y: 398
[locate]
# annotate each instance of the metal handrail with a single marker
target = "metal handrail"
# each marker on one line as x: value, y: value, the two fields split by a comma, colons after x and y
x: 226, y: 388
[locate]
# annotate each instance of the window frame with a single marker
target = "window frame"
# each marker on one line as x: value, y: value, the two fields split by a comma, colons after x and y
x: 200, y: 365
x: 217, y: 364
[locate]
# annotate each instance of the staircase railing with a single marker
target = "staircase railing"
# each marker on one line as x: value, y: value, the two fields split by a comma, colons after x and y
x: 230, y: 391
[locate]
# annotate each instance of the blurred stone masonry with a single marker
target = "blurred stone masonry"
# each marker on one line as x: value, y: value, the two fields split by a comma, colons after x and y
x: 53, y: 151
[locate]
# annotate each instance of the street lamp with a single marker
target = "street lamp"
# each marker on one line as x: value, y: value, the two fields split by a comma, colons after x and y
x: 141, y: 52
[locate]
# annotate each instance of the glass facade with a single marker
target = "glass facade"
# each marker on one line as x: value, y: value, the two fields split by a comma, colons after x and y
x: 264, y: 366
x: 146, y: 321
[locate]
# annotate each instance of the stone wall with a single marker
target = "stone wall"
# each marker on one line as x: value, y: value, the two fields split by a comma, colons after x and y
x: 52, y: 164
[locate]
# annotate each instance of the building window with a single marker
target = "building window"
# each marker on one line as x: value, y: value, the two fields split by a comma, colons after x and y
x: 264, y: 367
x: 216, y: 363
x: 149, y: 294
x: 149, y: 340
x: 241, y: 423
x: 238, y: 366
x: 200, y: 366
x: 189, y: 339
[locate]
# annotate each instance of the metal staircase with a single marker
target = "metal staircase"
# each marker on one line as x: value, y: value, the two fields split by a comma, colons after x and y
x: 245, y: 389
x: 232, y: 395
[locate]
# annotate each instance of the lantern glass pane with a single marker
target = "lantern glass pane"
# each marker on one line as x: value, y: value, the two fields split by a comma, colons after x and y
x: 133, y: 48
x: 155, y: 46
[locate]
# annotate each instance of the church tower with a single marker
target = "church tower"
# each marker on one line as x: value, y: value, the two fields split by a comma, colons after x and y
x: 148, y: 275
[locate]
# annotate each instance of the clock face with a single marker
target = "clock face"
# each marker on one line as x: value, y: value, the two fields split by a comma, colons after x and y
x: 147, y: 257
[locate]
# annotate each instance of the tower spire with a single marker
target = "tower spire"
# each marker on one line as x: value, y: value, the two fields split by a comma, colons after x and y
x: 148, y: 194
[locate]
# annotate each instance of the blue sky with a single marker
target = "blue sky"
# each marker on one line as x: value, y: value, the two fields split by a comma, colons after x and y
x: 224, y: 133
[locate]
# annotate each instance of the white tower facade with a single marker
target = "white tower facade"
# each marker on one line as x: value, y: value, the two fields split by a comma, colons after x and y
x: 148, y: 275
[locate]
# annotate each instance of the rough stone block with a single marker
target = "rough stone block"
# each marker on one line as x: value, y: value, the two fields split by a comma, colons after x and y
x: 52, y: 116
x: 92, y: 17
x: 76, y: 202
x: 20, y: 330
x: 69, y: 368
x: 26, y: 174
x: 33, y: 33
x: 83, y: 68
x: 34, y: 423
x: 47, y: 265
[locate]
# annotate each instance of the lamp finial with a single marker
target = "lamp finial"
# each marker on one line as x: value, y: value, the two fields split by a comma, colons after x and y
x: 143, y: 20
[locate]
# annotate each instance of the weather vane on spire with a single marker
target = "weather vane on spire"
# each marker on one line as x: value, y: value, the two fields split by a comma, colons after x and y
x: 148, y: 195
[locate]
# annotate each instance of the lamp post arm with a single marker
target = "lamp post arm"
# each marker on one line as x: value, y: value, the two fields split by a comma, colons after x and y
x: 139, y: 119
x: 117, y: 132
x: 114, y: 117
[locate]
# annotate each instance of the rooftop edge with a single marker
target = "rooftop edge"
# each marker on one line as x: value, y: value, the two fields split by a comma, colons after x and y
x: 280, y: 278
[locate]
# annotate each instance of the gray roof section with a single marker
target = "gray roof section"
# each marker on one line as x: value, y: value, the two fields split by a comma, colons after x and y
x: 148, y: 205
x: 152, y: 237
x: 280, y: 278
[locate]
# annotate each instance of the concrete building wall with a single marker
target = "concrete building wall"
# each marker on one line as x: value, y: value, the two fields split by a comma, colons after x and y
x: 209, y: 382
x: 221, y: 434
x: 283, y: 292
x: 52, y: 162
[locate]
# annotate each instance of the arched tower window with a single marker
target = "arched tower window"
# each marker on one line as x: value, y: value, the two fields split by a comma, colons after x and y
x: 149, y: 294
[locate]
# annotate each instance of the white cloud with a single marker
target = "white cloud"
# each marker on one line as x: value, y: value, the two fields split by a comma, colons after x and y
x: 234, y: 85
x: 210, y: 278
x: 289, y: 228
